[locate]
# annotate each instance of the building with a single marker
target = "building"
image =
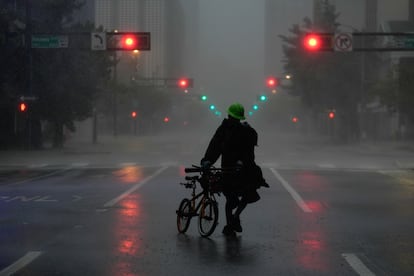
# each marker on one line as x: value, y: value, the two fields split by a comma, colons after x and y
x: 162, y: 18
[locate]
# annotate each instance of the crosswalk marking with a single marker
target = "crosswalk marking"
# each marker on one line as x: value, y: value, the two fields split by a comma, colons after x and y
x: 357, y: 264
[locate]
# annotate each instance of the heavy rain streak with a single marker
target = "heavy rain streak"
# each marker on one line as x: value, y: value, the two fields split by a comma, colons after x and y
x: 195, y: 137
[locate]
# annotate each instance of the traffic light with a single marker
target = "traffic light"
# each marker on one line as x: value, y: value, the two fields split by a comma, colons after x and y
x: 185, y: 83
x: 203, y: 98
x: 133, y: 114
x: 212, y: 107
x: 271, y: 82
x: 331, y: 115
x: 22, y: 107
x: 255, y: 107
x: 166, y: 119
x: 262, y: 98
x: 318, y: 42
x: 128, y: 41
x: 295, y: 119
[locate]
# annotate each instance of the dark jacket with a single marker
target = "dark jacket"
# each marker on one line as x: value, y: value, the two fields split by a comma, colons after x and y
x: 234, y: 142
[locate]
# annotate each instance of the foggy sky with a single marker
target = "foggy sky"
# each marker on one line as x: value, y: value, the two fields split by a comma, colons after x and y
x: 231, y: 50
x: 231, y: 64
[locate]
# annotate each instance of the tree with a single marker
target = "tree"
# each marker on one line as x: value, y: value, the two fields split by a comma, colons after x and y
x: 324, y: 80
x: 66, y: 81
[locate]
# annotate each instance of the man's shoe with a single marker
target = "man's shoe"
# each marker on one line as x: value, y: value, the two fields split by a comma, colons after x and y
x: 235, y: 224
x: 228, y: 231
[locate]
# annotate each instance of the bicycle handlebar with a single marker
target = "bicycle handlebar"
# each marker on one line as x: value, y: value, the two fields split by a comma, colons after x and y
x: 196, y: 169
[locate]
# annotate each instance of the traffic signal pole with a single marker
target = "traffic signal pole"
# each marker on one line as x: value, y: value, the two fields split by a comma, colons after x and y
x: 29, y: 73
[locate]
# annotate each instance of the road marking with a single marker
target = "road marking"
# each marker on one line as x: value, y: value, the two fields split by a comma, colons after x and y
x: 357, y: 264
x: 134, y: 188
x: 20, y: 263
x: 292, y: 192
x: 37, y: 177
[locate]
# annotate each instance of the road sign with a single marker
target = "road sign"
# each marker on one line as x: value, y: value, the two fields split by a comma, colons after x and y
x: 50, y: 41
x: 343, y: 42
x: 409, y: 42
x: 98, y: 41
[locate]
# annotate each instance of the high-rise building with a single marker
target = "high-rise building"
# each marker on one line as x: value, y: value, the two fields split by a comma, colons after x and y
x: 161, y: 18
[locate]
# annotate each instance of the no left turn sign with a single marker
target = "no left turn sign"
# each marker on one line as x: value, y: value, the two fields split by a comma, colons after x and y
x: 343, y: 42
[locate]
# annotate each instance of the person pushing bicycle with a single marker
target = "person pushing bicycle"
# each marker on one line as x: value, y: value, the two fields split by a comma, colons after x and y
x: 234, y: 141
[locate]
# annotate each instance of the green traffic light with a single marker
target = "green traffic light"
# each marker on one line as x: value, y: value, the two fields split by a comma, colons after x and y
x: 263, y: 98
x: 204, y: 98
x: 255, y: 107
x: 212, y: 107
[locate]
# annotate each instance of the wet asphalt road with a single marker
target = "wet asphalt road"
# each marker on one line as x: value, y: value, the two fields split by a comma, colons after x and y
x: 120, y: 220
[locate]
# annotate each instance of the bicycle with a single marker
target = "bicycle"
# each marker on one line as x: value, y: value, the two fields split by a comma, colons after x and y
x: 203, y: 204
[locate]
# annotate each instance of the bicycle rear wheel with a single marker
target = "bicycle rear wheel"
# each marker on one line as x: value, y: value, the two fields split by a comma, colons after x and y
x: 208, y: 218
x: 184, y: 215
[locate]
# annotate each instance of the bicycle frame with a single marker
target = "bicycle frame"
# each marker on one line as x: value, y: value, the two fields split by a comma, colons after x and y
x: 203, y: 194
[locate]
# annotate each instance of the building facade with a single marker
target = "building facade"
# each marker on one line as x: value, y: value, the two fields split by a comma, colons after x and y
x: 161, y: 18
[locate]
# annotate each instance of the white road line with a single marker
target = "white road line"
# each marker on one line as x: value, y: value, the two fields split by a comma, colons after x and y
x: 37, y: 177
x: 357, y: 264
x: 292, y: 192
x: 20, y: 263
x: 134, y: 188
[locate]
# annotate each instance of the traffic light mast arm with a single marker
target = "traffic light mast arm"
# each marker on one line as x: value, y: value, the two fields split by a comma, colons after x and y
x: 398, y: 41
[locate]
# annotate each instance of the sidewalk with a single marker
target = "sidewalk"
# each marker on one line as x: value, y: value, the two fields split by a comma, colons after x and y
x: 111, y: 149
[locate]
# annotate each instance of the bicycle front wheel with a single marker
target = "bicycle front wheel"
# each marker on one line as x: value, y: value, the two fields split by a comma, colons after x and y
x: 208, y: 218
x: 184, y: 215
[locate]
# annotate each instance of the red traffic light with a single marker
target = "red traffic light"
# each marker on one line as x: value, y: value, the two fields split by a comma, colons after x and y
x: 183, y: 83
x: 271, y: 82
x: 166, y: 119
x: 331, y: 115
x: 133, y: 114
x: 129, y: 42
x: 318, y: 42
x: 295, y: 120
x: 23, y: 107
x: 312, y: 42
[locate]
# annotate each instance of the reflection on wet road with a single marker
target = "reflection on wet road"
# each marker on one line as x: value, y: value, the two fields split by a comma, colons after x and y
x: 121, y: 221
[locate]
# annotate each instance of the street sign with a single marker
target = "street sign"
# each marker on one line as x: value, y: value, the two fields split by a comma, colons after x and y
x: 98, y: 41
x: 343, y: 42
x: 50, y: 41
x: 409, y: 42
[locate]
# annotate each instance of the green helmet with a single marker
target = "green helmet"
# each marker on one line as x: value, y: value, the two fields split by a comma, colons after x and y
x: 236, y: 111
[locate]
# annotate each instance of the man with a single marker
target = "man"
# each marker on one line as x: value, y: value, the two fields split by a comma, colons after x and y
x: 234, y: 142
